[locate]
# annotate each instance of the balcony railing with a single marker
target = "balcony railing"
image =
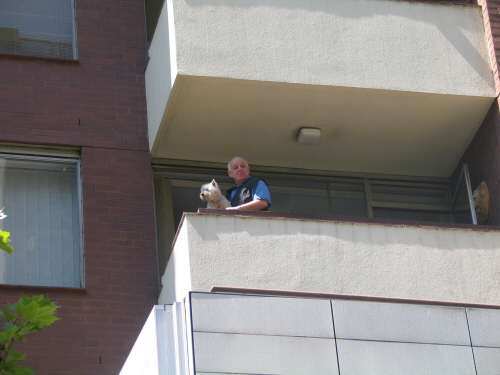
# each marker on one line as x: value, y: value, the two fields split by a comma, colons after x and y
x: 269, y: 252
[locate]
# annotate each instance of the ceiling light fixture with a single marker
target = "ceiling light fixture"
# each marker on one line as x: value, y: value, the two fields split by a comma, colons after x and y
x: 309, y: 136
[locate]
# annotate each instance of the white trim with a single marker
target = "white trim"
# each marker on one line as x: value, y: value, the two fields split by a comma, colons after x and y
x: 75, y: 48
x: 169, y: 6
x: 40, y: 151
x: 80, y: 215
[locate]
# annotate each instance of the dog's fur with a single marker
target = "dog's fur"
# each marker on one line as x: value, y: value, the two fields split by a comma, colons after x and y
x: 481, y: 196
x: 211, y: 194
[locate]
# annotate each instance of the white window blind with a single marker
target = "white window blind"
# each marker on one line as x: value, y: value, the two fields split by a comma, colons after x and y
x: 42, y: 28
x: 41, y: 199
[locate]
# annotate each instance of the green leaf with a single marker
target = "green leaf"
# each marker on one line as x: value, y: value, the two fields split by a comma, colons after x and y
x: 10, y: 364
x: 8, y: 313
x: 5, y: 242
x: 9, y: 333
x: 22, y: 371
x: 15, y: 370
x: 36, y: 311
x: 14, y: 356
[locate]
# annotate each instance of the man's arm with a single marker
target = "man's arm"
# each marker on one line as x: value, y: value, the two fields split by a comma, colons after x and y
x: 255, y: 205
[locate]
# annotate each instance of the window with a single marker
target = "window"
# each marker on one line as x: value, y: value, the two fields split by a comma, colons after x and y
x: 43, y: 28
x: 41, y: 197
x: 342, y: 196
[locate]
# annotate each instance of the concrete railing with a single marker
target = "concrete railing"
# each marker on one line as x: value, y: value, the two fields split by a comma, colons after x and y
x: 273, y: 253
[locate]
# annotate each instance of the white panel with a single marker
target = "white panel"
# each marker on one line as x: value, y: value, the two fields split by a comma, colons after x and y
x: 400, y: 322
x: 487, y: 361
x: 232, y: 353
x: 143, y: 358
x: 484, y: 326
x: 382, y: 358
x: 160, y: 347
x: 262, y: 315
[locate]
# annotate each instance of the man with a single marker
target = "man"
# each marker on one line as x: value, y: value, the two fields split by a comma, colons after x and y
x: 250, y: 193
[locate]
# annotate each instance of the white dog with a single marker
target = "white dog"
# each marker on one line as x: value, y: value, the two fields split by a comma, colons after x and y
x: 211, y: 194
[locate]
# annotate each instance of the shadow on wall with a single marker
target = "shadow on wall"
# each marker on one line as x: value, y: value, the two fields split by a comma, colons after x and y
x: 434, y: 14
x: 483, y: 158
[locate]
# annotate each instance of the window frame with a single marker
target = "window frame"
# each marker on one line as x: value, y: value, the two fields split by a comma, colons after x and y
x: 56, y: 157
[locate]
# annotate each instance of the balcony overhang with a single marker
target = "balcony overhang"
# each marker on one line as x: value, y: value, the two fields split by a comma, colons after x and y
x: 274, y: 253
x: 363, y: 130
x: 385, y: 80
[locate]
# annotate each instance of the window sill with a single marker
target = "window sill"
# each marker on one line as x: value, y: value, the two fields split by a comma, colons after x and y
x: 14, y: 56
x: 43, y: 289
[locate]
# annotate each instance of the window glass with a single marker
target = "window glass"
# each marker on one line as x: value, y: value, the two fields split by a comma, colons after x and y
x: 424, y: 200
x: 41, y: 199
x: 37, y: 28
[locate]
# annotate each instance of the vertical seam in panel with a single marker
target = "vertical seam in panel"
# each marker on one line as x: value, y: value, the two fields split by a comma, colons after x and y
x: 192, y: 333
x: 335, y: 338
x: 470, y: 339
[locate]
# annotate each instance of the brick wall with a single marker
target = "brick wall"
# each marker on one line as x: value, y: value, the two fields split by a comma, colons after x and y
x: 97, y: 104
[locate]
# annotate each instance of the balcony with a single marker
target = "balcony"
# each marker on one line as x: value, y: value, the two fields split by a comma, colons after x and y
x: 273, y: 253
x: 385, y: 80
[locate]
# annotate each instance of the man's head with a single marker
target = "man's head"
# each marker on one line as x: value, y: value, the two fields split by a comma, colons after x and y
x: 238, y: 169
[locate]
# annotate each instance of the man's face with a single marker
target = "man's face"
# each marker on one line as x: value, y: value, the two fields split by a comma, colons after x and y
x: 238, y: 170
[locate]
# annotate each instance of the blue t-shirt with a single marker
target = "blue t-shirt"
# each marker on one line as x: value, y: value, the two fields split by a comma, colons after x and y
x: 248, y: 191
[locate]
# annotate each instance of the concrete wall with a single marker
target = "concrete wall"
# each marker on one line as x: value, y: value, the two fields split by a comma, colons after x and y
x: 161, y: 70
x: 398, y: 261
x: 393, y: 45
x: 161, y: 347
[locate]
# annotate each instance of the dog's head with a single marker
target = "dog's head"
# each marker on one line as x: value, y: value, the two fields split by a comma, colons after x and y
x: 210, y: 192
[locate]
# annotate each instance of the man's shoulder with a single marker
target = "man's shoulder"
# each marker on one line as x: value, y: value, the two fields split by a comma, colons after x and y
x: 255, y: 180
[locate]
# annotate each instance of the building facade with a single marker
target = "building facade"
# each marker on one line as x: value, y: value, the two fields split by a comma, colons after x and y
x: 372, y: 222
x: 76, y: 177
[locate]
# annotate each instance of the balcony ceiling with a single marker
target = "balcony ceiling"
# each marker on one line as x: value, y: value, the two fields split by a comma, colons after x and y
x: 362, y: 130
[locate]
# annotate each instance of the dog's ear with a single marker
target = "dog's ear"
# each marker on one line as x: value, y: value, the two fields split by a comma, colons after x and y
x: 214, y: 183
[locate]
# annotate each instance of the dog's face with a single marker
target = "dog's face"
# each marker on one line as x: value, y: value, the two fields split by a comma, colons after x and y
x: 210, y: 192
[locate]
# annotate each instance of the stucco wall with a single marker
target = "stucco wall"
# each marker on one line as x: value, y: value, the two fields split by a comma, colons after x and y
x: 395, y: 261
x: 394, y: 45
